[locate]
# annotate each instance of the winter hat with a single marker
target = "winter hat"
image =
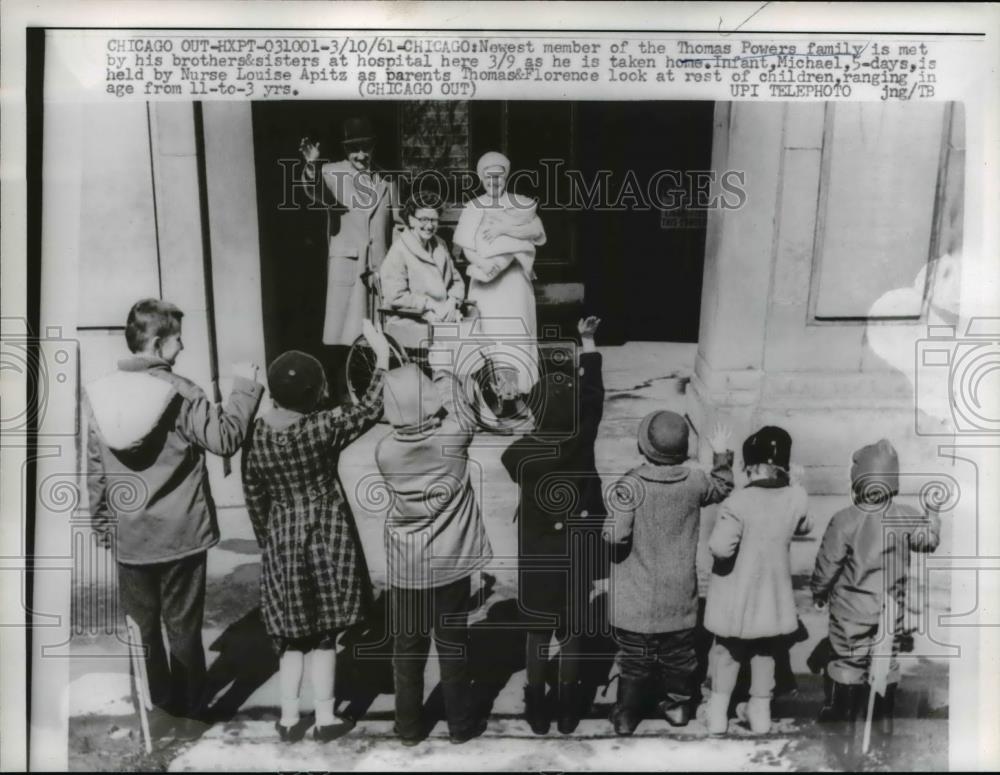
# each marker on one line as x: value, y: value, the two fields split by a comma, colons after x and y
x: 875, y: 472
x: 296, y: 381
x: 410, y: 397
x: 770, y: 445
x: 663, y: 437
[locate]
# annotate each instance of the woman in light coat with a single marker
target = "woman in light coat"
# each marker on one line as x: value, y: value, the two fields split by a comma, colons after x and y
x: 418, y: 274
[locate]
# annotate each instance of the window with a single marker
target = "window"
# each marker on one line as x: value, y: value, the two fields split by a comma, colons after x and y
x: 882, y: 177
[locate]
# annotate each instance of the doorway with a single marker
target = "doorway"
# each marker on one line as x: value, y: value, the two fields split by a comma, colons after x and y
x: 293, y: 235
x: 643, y: 262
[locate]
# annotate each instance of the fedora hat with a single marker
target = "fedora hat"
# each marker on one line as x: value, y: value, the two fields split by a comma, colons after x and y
x: 663, y: 437
x: 357, y: 130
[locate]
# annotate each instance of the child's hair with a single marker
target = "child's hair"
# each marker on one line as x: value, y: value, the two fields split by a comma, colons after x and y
x: 149, y: 319
x: 756, y: 471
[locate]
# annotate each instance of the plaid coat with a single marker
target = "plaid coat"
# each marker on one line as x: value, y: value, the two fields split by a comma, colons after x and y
x: 313, y: 579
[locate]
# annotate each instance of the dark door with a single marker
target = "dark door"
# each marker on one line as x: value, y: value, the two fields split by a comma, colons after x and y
x: 293, y: 241
x: 642, y: 259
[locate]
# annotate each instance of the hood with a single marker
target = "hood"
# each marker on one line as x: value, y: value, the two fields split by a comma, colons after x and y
x: 128, y: 405
x: 411, y: 399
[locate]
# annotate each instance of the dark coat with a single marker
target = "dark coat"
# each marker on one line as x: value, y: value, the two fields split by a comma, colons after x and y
x: 314, y: 579
x: 560, y: 497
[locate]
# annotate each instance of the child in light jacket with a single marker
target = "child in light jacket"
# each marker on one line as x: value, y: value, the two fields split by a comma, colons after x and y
x: 865, y: 554
x: 653, y: 536
x: 147, y: 433
x: 750, y: 607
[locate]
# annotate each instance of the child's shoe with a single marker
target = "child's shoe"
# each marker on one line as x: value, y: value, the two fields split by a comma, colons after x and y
x: 330, y: 732
x: 295, y: 732
x: 535, y: 709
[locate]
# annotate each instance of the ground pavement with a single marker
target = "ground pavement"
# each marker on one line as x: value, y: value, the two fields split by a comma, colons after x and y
x: 639, y: 377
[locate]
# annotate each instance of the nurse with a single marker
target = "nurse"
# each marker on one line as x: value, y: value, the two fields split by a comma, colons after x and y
x: 498, y: 233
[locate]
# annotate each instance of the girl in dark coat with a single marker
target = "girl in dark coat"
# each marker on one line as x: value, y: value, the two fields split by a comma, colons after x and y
x: 561, y: 511
x: 313, y: 578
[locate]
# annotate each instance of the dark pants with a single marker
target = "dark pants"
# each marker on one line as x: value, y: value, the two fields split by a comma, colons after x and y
x: 414, y: 615
x: 666, y: 660
x: 172, y: 593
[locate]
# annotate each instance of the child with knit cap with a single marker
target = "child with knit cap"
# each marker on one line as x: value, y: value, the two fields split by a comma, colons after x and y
x: 750, y: 607
x: 864, y: 556
x: 653, y: 536
x: 313, y: 578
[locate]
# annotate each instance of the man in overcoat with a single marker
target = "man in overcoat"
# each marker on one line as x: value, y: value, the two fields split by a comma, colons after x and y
x: 360, y: 203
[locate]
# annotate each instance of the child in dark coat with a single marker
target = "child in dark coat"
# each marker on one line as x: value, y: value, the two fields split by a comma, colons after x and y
x: 865, y: 554
x: 560, y: 512
x: 750, y: 606
x: 313, y: 579
x: 148, y: 430
x: 653, y: 533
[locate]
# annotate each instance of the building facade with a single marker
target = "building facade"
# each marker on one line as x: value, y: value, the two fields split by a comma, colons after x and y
x: 800, y: 245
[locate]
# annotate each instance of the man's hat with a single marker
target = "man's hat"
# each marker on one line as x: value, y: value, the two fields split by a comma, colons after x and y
x: 771, y: 445
x: 663, y: 437
x: 357, y: 130
x: 296, y: 381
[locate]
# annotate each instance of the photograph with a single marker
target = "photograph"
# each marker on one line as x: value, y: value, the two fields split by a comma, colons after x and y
x: 507, y: 432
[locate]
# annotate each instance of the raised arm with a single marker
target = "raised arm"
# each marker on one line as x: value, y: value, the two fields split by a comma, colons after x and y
x: 720, y: 480
x: 220, y: 430
x: 348, y: 423
x: 591, y: 380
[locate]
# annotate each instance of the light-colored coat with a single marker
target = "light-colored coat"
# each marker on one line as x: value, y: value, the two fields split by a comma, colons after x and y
x: 750, y: 590
x: 434, y: 531
x: 412, y: 276
x: 359, y: 227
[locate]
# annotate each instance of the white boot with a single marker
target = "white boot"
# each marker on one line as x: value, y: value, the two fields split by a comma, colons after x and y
x: 759, y: 715
x: 717, y: 713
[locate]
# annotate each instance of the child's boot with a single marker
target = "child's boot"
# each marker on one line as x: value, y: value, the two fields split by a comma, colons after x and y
x: 882, y: 726
x: 627, y: 712
x: 535, y: 710
x: 758, y: 715
x: 569, y: 707
x: 717, y: 712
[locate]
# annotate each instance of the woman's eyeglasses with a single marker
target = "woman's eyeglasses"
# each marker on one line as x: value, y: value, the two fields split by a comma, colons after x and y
x: 426, y: 221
